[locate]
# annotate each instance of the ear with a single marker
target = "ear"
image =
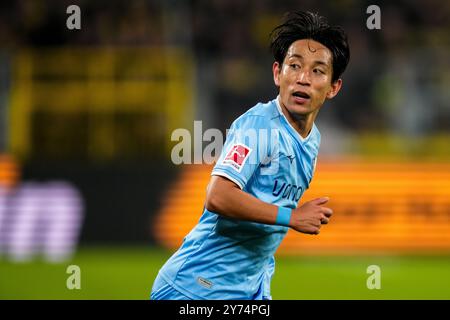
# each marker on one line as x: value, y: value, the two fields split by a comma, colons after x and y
x: 335, y: 87
x: 276, y: 69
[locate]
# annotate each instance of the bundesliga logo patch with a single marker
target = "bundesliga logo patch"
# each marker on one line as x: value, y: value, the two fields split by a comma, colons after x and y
x: 237, y: 156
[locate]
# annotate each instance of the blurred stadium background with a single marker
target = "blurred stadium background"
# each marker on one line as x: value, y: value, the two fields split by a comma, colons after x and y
x: 86, y: 118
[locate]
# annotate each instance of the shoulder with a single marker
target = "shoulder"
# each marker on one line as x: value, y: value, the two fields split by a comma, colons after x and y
x: 316, y: 133
x: 259, y: 116
x: 314, y: 140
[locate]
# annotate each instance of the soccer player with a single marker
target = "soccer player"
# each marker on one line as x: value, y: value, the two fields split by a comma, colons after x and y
x: 255, y: 186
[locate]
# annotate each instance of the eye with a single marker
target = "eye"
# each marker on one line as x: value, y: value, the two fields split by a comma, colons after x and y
x: 318, y: 71
x: 294, y: 66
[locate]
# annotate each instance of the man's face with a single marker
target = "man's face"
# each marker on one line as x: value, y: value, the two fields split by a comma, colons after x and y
x: 305, y: 76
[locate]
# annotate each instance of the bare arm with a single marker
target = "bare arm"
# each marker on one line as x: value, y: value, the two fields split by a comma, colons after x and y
x: 226, y: 198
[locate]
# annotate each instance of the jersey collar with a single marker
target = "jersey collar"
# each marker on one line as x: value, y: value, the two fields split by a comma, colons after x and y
x: 290, y: 127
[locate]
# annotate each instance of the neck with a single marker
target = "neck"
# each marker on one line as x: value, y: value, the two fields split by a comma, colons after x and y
x: 301, y: 123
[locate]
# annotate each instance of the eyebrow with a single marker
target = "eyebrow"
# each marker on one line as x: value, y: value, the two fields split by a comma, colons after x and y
x: 296, y: 55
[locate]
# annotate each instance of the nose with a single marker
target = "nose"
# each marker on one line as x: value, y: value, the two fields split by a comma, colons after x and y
x: 304, y: 77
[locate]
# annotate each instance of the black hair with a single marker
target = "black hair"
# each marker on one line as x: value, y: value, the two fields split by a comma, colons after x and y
x: 306, y: 25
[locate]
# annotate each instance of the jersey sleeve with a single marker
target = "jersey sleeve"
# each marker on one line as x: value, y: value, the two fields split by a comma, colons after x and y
x: 247, y: 146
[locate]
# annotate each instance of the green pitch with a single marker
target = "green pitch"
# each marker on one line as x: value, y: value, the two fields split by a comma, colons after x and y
x: 128, y: 273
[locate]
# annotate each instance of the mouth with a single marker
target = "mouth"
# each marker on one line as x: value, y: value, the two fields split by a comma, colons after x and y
x: 301, y: 94
x: 301, y: 97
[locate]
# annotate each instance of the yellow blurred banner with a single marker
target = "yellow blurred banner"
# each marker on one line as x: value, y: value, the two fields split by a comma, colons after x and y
x: 99, y: 103
x: 379, y: 207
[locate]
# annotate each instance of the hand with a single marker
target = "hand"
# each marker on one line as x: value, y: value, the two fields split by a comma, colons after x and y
x: 310, y: 216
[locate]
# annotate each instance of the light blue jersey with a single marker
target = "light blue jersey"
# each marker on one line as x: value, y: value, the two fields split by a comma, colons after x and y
x: 224, y: 258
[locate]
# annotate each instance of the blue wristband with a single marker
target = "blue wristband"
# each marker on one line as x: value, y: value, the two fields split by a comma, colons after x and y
x: 283, y: 216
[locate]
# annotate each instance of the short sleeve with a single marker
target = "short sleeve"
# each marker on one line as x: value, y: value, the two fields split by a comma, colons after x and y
x: 247, y: 146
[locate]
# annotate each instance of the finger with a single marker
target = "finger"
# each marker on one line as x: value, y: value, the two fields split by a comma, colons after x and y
x: 324, y: 220
x: 327, y: 211
x: 320, y: 201
x: 311, y: 230
x: 315, y: 223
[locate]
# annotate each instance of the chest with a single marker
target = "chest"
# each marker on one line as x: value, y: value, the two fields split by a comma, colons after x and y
x: 290, y: 170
